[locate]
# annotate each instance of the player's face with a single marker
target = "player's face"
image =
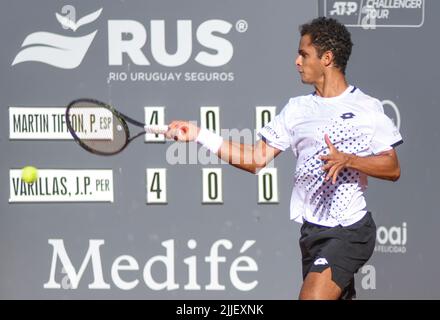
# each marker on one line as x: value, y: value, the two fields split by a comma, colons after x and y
x: 307, y: 63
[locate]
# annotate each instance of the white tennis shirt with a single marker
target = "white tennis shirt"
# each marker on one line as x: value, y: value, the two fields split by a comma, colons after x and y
x: 356, y: 124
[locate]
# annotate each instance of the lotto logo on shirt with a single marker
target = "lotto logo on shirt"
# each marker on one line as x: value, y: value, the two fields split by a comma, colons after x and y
x: 392, y: 239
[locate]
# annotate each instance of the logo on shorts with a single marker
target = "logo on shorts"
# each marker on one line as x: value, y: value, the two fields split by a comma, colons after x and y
x: 320, y: 262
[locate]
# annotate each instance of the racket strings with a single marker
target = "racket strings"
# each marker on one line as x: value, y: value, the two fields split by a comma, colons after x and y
x: 96, y: 127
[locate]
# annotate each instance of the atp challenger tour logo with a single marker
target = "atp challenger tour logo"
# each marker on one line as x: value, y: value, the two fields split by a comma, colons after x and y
x: 134, y: 43
x: 124, y: 267
x: 370, y: 14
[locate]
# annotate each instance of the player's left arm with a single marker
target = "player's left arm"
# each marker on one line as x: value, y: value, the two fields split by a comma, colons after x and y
x: 384, y: 165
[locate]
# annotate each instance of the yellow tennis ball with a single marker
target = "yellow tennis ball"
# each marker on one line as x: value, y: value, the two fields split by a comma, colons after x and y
x: 29, y: 174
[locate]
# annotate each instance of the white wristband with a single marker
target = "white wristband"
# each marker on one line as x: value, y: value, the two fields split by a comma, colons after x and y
x: 209, y: 140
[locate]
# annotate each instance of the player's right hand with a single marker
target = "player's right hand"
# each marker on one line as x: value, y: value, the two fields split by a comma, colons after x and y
x: 182, y: 131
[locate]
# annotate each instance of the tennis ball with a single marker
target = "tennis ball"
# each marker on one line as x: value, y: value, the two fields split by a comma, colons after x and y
x: 29, y: 174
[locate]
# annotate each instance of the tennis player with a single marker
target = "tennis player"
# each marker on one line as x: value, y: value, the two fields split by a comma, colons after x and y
x: 339, y: 135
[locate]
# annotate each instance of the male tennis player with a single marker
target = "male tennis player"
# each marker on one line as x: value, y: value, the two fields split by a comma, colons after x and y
x: 340, y: 136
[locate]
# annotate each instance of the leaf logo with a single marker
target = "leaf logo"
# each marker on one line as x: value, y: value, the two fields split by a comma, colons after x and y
x: 58, y: 50
x: 66, y: 22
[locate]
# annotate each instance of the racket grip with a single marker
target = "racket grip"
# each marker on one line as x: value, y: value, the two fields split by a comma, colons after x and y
x: 156, y: 129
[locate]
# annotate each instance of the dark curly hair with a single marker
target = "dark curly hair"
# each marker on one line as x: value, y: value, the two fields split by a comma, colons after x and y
x: 329, y: 35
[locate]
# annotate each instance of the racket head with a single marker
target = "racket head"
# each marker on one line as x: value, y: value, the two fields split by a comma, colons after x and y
x: 97, y: 127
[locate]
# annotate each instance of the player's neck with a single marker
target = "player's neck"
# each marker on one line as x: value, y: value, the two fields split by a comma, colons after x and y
x: 331, y: 85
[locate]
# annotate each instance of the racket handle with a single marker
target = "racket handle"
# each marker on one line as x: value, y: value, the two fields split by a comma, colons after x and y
x: 156, y: 129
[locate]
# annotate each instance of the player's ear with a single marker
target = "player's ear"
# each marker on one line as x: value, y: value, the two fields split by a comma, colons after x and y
x: 327, y: 58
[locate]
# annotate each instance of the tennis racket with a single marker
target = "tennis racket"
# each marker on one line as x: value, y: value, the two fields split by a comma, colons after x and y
x: 101, y: 129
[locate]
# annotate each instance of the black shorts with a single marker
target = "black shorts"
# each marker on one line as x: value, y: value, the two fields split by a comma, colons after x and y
x: 343, y: 249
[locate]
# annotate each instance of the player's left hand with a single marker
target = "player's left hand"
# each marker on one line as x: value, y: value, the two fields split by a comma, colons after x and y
x: 335, y: 161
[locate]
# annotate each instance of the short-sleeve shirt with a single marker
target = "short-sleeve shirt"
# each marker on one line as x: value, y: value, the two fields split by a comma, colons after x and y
x: 355, y: 124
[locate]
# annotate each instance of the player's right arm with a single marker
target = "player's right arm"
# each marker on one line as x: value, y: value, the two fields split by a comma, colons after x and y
x: 247, y: 157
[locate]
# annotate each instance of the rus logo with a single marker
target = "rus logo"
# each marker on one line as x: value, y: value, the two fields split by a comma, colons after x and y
x: 130, y: 39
